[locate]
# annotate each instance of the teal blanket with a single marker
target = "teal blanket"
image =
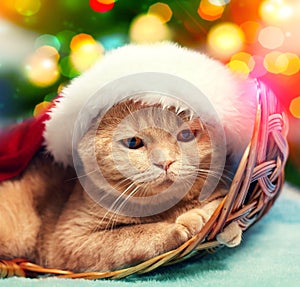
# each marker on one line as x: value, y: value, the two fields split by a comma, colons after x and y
x: 268, y: 256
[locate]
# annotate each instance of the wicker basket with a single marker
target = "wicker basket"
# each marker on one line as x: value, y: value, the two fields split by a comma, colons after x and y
x: 255, y: 187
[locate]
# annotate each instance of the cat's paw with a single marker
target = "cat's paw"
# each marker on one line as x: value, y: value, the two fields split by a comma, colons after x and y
x: 231, y: 236
x: 192, y: 221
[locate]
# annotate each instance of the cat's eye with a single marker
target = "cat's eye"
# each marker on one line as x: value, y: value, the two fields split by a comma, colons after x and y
x: 186, y: 135
x: 133, y: 143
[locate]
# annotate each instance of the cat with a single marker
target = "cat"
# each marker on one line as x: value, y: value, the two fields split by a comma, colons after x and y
x: 48, y: 217
x: 134, y: 183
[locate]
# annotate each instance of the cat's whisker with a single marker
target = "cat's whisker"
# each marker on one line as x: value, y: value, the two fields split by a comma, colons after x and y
x: 111, y: 208
x: 123, y: 203
x: 125, y: 182
x: 81, y: 176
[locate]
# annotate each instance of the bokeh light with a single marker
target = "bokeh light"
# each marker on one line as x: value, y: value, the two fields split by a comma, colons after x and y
x: 251, y: 30
x: 225, y: 39
x: 47, y: 40
x: 41, y: 68
x: 148, y: 28
x: 162, y: 10
x: 239, y: 67
x: 276, y: 62
x: 242, y: 63
x: 246, y: 58
x: 85, y: 51
x: 219, y: 2
x: 282, y: 63
x: 41, y: 108
x: 67, y: 69
x: 271, y: 37
x: 27, y: 7
x: 295, y: 107
x: 275, y: 11
x: 113, y: 41
x: 102, y: 6
x: 293, y: 66
x: 209, y: 11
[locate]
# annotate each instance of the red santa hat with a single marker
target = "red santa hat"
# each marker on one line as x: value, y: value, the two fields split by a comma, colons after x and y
x: 234, y: 100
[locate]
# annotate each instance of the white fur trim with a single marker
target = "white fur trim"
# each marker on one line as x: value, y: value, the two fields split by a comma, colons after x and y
x: 234, y: 99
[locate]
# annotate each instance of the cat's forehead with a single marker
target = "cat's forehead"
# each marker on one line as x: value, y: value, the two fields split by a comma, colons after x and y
x: 150, y: 109
x: 132, y: 117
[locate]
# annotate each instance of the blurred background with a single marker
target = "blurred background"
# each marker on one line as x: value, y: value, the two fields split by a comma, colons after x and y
x: 44, y: 44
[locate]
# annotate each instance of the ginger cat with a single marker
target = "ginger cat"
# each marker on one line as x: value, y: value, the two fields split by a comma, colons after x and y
x: 141, y: 150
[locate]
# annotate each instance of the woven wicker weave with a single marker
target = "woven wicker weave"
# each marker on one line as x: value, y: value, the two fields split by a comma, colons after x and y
x: 255, y: 187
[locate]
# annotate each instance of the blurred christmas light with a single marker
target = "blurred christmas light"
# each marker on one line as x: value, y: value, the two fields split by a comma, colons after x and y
x: 148, y: 28
x: 245, y: 58
x: 271, y: 37
x: 162, y: 10
x: 293, y: 66
x: 275, y: 62
x: 219, y: 2
x: 47, y: 52
x: 209, y: 11
x: 41, y: 68
x: 295, y: 107
x: 27, y: 7
x: 102, y: 6
x: 67, y: 69
x: 275, y: 11
x: 113, y: 41
x: 60, y: 88
x: 106, y: 2
x: 85, y: 51
x: 225, y: 39
x: 239, y: 67
x: 250, y: 29
x: 47, y: 40
x: 41, y: 108
x: 50, y: 97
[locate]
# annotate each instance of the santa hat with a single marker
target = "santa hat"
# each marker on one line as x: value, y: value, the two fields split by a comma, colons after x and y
x: 233, y: 98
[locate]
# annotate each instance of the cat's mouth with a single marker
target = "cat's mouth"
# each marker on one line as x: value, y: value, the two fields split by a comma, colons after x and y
x: 163, y: 181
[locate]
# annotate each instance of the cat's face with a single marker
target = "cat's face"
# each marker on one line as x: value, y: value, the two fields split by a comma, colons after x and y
x: 142, y: 150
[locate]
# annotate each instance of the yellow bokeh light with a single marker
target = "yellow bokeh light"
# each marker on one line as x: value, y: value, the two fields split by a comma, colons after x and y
x: 282, y: 63
x: 239, y: 67
x: 275, y: 11
x: 106, y: 2
x: 271, y: 37
x: 85, y: 51
x: 245, y: 58
x: 162, y: 10
x: 209, y: 11
x: 41, y: 72
x: 225, y: 39
x: 295, y: 107
x: 27, y: 7
x: 148, y: 28
x: 41, y: 108
x: 276, y: 62
x: 293, y: 66
x: 81, y: 39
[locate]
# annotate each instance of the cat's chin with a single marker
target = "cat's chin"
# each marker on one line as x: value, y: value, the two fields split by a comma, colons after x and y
x: 160, y: 185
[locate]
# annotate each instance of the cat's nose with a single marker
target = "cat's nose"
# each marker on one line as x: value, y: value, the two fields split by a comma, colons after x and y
x: 164, y: 164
